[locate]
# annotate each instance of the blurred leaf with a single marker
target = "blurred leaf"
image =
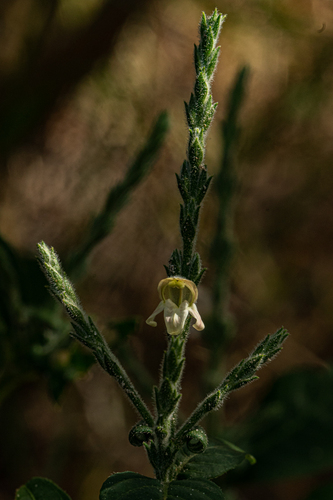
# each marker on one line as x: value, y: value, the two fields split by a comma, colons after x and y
x: 291, y: 434
x: 123, y: 328
x: 69, y: 364
x: 32, y: 282
x: 9, y: 289
x: 222, y: 249
x: 39, y: 488
x: 103, y: 223
x: 322, y: 493
x: 214, y: 462
x: 20, y: 275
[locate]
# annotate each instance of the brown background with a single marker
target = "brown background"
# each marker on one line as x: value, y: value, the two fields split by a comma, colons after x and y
x: 101, y: 74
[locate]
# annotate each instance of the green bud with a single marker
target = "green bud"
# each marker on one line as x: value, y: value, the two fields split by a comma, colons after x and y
x: 197, y: 440
x: 140, y: 434
x: 196, y: 152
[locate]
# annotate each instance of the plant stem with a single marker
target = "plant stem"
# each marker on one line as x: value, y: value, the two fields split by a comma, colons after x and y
x: 193, y: 183
x: 84, y: 328
x: 110, y: 363
x: 243, y: 373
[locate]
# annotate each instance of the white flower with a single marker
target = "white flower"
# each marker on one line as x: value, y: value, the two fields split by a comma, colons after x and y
x: 178, y: 297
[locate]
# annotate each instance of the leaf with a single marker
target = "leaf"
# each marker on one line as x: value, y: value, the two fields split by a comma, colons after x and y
x: 322, y: 493
x: 66, y: 365
x: 40, y: 488
x: 194, y: 489
x: 291, y: 433
x: 214, y: 462
x: 131, y: 486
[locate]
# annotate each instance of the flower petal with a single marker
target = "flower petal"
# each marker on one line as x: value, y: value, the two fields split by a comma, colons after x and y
x: 175, y: 317
x: 199, y: 324
x: 150, y: 321
x: 177, y: 289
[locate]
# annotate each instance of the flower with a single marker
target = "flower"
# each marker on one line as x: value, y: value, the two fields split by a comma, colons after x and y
x: 178, y: 296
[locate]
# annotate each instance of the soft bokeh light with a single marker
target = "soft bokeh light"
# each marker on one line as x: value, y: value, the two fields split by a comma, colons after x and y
x: 56, y: 177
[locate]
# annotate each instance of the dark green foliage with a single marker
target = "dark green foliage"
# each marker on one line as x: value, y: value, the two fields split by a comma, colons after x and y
x: 40, y: 488
x: 194, y: 489
x: 215, y: 461
x: 322, y: 493
x: 77, y: 364
x: 33, y: 332
x: 132, y: 486
x: 291, y: 433
x: 219, y: 326
x: 9, y: 282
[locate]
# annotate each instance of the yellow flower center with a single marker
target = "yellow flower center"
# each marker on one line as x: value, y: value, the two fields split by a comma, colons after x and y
x: 178, y: 290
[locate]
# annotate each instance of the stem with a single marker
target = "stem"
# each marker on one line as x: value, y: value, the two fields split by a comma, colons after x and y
x: 243, y: 373
x: 110, y: 363
x: 84, y: 328
x: 193, y: 183
x: 211, y: 402
x: 167, y: 398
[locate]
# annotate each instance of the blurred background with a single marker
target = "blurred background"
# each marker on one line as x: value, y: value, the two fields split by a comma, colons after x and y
x: 82, y: 83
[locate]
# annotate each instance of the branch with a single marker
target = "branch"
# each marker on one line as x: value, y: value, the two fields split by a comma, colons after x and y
x: 84, y: 328
x: 242, y: 374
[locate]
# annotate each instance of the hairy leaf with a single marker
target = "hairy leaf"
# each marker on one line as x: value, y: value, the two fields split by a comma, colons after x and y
x: 194, y: 489
x: 133, y: 486
x: 214, y: 462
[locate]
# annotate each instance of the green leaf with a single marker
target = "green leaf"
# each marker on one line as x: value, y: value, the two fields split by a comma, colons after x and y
x: 62, y: 370
x: 291, y: 433
x: 131, y: 486
x: 40, y: 488
x: 194, y: 489
x: 214, y: 462
x: 322, y: 493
